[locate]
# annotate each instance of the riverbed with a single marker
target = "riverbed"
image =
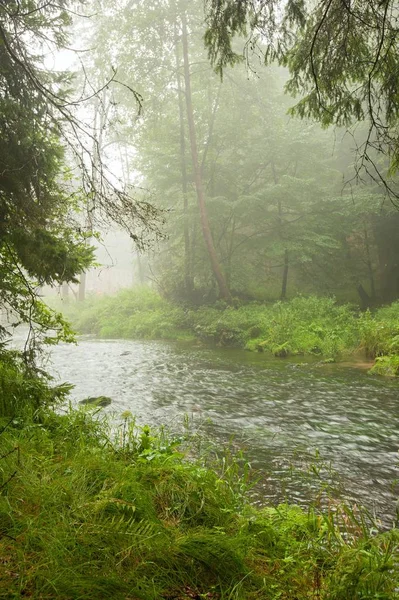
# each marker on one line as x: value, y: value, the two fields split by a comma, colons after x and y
x: 285, y: 414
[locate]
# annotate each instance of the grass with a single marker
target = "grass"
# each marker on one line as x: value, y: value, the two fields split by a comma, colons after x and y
x: 312, y: 325
x: 87, y: 512
x: 142, y: 314
x: 93, y: 510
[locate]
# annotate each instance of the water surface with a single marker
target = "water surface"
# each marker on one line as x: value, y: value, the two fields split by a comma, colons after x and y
x: 279, y: 411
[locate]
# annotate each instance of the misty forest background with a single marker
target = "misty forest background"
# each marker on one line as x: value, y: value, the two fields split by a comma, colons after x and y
x: 283, y: 206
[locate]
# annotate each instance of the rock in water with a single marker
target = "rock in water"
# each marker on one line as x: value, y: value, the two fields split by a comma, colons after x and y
x: 97, y: 401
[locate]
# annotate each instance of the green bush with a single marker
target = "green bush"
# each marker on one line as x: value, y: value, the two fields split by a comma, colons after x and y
x: 380, y: 331
x: 386, y: 365
x: 23, y: 388
x: 132, y: 314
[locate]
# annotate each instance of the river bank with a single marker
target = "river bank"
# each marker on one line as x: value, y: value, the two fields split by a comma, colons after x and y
x: 309, y: 326
x: 90, y: 514
x: 280, y: 413
x: 93, y: 511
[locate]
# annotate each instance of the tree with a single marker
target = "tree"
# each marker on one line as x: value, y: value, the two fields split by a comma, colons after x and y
x: 280, y: 220
x: 343, y: 58
x: 43, y: 143
x: 157, y: 47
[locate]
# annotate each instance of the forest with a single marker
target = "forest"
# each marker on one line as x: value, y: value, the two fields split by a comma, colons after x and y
x: 199, y: 327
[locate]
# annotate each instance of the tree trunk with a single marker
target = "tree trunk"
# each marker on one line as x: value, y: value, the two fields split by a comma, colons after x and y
x: 140, y: 269
x: 224, y: 291
x: 369, y: 264
x: 281, y: 237
x: 285, y: 276
x: 386, y: 235
x: 365, y: 299
x: 188, y: 278
x: 82, y: 288
x: 65, y: 292
x: 95, y: 167
x: 230, y: 250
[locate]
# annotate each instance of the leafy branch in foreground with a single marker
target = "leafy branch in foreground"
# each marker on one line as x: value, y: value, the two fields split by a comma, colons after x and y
x: 50, y: 166
x: 48, y: 95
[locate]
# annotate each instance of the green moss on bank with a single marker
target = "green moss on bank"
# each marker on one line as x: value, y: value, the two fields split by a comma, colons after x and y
x: 85, y: 514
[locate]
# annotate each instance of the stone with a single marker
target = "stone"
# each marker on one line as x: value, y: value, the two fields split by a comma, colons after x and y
x: 97, y: 401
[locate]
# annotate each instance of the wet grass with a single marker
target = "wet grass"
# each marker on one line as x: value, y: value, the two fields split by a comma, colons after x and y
x: 303, y: 326
x: 87, y: 512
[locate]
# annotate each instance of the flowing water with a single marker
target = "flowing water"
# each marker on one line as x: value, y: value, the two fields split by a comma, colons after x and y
x: 279, y: 411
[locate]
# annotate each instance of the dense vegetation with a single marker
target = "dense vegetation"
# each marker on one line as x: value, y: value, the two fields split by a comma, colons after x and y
x: 96, y: 512
x: 257, y: 204
x: 256, y: 208
x: 303, y: 326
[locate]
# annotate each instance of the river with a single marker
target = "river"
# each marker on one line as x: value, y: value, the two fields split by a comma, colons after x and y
x: 281, y: 412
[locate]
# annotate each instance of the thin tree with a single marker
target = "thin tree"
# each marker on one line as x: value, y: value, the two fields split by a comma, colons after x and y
x: 206, y: 230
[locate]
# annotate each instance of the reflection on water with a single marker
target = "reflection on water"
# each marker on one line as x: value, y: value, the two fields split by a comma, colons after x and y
x: 278, y: 410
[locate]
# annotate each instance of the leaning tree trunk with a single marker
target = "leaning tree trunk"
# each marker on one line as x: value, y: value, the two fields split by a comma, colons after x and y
x: 206, y: 230
x: 188, y: 278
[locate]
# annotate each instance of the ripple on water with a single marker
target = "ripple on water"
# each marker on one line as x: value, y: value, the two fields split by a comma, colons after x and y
x: 277, y: 412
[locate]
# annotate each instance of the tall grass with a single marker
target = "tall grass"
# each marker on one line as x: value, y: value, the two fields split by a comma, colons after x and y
x: 303, y: 326
x: 93, y: 516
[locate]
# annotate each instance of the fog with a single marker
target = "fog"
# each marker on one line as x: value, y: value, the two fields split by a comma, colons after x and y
x: 252, y: 202
x: 199, y: 299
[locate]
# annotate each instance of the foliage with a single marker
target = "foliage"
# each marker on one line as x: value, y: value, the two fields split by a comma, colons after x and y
x: 281, y: 219
x: 88, y: 516
x: 302, y: 326
x: 342, y: 61
x: 386, y: 365
x: 24, y: 389
x: 37, y: 243
x: 380, y: 331
x: 141, y: 314
x: 50, y: 169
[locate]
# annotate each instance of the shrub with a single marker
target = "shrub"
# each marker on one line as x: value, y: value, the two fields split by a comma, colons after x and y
x: 25, y: 389
x: 304, y: 326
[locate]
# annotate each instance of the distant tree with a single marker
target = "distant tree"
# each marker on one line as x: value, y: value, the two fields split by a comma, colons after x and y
x: 280, y: 219
x: 153, y: 42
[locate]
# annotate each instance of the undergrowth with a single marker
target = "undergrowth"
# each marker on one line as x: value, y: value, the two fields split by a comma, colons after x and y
x: 303, y: 326
x: 141, y: 314
x: 90, y: 513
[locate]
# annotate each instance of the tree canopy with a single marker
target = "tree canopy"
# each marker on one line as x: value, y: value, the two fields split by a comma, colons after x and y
x: 343, y: 60
x: 280, y: 219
